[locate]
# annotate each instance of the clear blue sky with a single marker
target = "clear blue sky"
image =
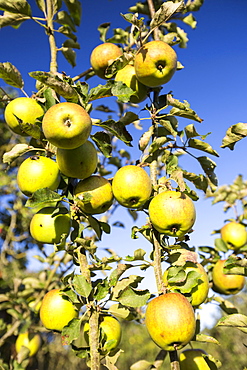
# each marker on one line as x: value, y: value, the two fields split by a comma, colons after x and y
x: 214, y: 81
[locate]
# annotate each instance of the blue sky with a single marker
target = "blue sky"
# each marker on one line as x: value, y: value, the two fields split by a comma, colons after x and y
x: 214, y: 82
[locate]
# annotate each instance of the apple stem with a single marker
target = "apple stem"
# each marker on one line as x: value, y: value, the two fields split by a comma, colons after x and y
x: 174, y: 360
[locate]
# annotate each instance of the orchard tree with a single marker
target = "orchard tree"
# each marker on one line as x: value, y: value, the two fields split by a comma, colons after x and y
x: 64, y: 174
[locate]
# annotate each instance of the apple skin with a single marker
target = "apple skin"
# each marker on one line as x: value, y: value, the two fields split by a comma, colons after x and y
x: 192, y: 359
x: 226, y: 284
x: 127, y: 75
x: 172, y: 213
x: 111, y: 330
x: 26, y: 109
x: 56, y: 311
x: 131, y: 186
x: 79, y: 162
x: 234, y: 235
x: 37, y: 172
x: 31, y: 341
x: 102, y: 55
x: 100, y: 190
x: 155, y: 63
x: 46, y: 229
x: 200, y: 292
x: 66, y: 125
x: 170, y: 321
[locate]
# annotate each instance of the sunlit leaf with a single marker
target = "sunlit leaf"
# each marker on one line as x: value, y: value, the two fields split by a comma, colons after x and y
x: 234, y: 134
x: 165, y: 12
x: 10, y: 74
x: 17, y: 7
x: 15, y: 152
x: 237, y: 320
x: 81, y: 285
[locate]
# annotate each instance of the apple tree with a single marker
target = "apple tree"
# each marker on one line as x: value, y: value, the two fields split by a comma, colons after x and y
x: 91, y: 170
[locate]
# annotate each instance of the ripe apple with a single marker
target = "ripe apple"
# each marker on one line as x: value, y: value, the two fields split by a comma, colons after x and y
x: 66, y: 125
x: 234, y: 235
x: 27, y: 110
x: 198, y: 293
x: 131, y: 186
x: 226, y: 283
x: 100, y: 195
x: 56, y: 310
x: 102, y: 56
x: 111, y: 332
x: 127, y: 75
x: 155, y: 63
x: 37, y: 172
x: 192, y: 359
x: 170, y: 321
x: 79, y: 162
x: 28, y: 340
x: 172, y: 213
x: 48, y: 229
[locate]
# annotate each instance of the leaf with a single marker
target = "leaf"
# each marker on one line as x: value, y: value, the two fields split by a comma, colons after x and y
x: 128, y: 117
x: 141, y: 365
x: 190, y: 131
x: 117, y: 129
x: 103, y: 28
x: 190, y: 20
x: 43, y: 197
x: 75, y: 10
x: 71, y: 331
x: 208, y: 165
x: 138, y: 255
x: 145, y: 138
x: 11, y: 19
x: 226, y: 305
x: 10, y: 74
x: 122, y: 91
x: 132, y: 18
x: 182, y: 109
x: 94, y: 223
x: 236, y: 320
x: 17, y: 7
x: 100, y: 91
x: 134, y: 298
x: 65, y: 19
x: 15, y: 152
x: 103, y: 142
x: 234, y: 134
x: 202, y: 145
x: 206, y: 339
x: 165, y: 12
x: 69, y: 55
x: 220, y: 245
x: 81, y: 285
x: 119, y: 311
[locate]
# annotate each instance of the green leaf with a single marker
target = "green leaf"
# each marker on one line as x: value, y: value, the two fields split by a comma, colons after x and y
x: 75, y: 10
x: 234, y: 134
x: 118, y: 64
x: 115, y: 275
x: 103, y: 142
x: 43, y: 197
x: 17, y: 7
x: 69, y: 43
x: 117, y: 129
x: 190, y: 20
x: 134, y: 298
x: 94, y: 223
x: 71, y: 331
x: 220, y: 245
x: 202, y: 145
x: 165, y: 12
x: 103, y: 28
x: 81, y: 285
x: 208, y: 165
x: 138, y: 255
x: 206, y: 339
x: 182, y: 109
x: 190, y: 131
x: 102, y: 289
x: 41, y: 5
x: 11, y: 19
x: 226, y: 305
x: 65, y: 19
x: 122, y: 91
x: 128, y: 117
x: 15, y: 152
x: 10, y: 74
x: 236, y: 320
x: 132, y: 18
x: 145, y: 138
x: 69, y: 55
x: 119, y: 311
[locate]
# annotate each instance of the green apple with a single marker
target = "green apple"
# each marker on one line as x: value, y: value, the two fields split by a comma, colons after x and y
x: 78, y: 163
x: 111, y: 332
x: 48, y: 227
x: 28, y: 340
x: 172, y: 213
x: 56, y: 310
x: 27, y: 110
x: 37, y: 172
x: 199, y: 292
x: 127, y: 75
x: 155, y: 63
x: 102, y: 56
x: 131, y: 186
x: 226, y: 284
x: 66, y: 125
x: 234, y: 235
x: 94, y: 195
x: 170, y: 321
x: 192, y: 359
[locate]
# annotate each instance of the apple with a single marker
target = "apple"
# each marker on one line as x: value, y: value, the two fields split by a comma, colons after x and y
x: 28, y: 340
x: 27, y: 110
x: 131, y: 186
x: 79, y: 162
x: 66, y: 125
x: 110, y: 330
x: 234, y: 235
x: 192, y: 359
x: 170, y: 321
x: 172, y: 213
x: 56, y: 310
x: 48, y: 228
x: 99, y: 193
x: 226, y: 284
x: 102, y: 56
x: 127, y: 75
x: 198, y: 293
x: 155, y: 63
x: 37, y: 172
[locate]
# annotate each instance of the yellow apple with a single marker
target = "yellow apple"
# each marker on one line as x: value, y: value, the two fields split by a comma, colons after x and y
x: 28, y: 340
x: 37, y: 172
x: 170, y: 321
x: 102, y: 56
x: 131, y: 186
x: 234, y: 235
x: 78, y: 163
x: 155, y: 63
x: 127, y: 76
x: 226, y: 284
x: 99, y: 193
x: 66, y: 125
x: 27, y: 110
x: 111, y: 332
x: 56, y: 310
x: 172, y: 213
x: 48, y: 229
x: 192, y: 359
